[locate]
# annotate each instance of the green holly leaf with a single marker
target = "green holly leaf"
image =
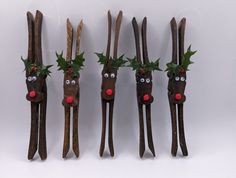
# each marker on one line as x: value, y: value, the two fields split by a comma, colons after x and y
x: 134, y: 63
x: 43, y: 70
x: 79, y: 61
x: 62, y: 64
x: 118, y: 62
x: 152, y: 66
x: 186, y: 58
x: 101, y: 58
x: 27, y: 63
x: 172, y: 67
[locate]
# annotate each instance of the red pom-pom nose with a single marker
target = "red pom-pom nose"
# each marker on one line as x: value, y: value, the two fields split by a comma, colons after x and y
x: 146, y: 97
x: 178, y: 96
x: 32, y: 94
x: 69, y: 99
x: 109, y: 92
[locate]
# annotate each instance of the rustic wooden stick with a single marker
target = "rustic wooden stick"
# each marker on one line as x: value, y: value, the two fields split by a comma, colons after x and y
x: 33, y: 131
x: 42, y: 131
x: 174, y: 145
x: 109, y: 36
x: 141, y: 131
x: 30, y: 20
x: 117, y: 32
x: 75, y: 131
x: 69, y: 40
x: 136, y: 36
x: 181, y: 130
x: 181, y: 39
x: 144, y: 41
x: 66, y: 145
x: 110, y: 134
x: 38, y: 29
x: 102, y: 146
x: 180, y: 106
x: 149, y: 129
x: 79, y: 30
x: 173, y: 25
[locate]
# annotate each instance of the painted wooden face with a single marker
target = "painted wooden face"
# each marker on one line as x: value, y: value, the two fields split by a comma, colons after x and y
x: 176, y: 87
x: 109, y: 77
x: 144, y: 87
x: 35, y: 88
x: 71, y: 91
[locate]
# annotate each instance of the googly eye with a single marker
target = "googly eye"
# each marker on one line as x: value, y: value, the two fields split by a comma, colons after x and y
x: 142, y: 80
x: 177, y: 78
x: 113, y: 75
x: 182, y: 79
x: 34, y: 78
x: 73, y: 82
x: 29, y: 78
x: 148, y: 80
x: 106, y: 75
x: 67, y: 82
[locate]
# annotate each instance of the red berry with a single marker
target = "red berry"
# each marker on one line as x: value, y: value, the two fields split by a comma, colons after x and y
x: 69, y: 99
x: 146, y: 97
x: 32, y: 94
x: 69, y: 71
x: 109, y: 92
x: 34, y: 68
x: 141, y: 71
x: 178, y: 96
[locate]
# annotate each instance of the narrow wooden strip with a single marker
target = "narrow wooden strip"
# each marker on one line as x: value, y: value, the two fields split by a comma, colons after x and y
x: 182, y: 141
x: 33, y: 131
x: 109, y: 36
x: 173, y: 25
x: 141, y: 131
x: 149, y: 129
x: 79, y: 30
x: 37, y: 37
x: 144, y: 41
x: 42, y: 128
x: 75, y: 131
x: 136, y: 36
x: 30, y: 20
x: 103, y: 137
x: 69, y: 40
x: 117, y: 32
x: 66, y: 144
x: 181, y: 39
x: 110, y: 135
x: 174, y: 146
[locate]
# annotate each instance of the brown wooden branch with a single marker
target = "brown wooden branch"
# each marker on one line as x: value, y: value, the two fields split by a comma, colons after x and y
x: 69, y: 40
x: 117, y: 32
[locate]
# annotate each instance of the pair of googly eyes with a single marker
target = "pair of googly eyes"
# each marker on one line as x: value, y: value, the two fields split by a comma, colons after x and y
x: 180, y: 79
x: 112, y: 75
x: 32, y: 79
x: 142, y: 80
x: 70, y: 82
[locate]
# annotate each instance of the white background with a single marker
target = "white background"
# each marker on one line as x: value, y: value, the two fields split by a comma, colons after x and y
x: 209, y: 110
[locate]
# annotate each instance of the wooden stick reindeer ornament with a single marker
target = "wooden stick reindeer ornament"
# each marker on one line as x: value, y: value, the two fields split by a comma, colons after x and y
x: 36, y: 74
x: 109, y: 76
x: 71, y: 68
x: 176, y: 71
x: 144, y: 84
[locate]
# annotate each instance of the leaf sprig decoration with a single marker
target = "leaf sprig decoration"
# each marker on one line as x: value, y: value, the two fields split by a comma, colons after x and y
x: 175, y: 68
x: 74, y: 65
x: 40, y: 70
x: 149, y: 67
x: 115, y: 62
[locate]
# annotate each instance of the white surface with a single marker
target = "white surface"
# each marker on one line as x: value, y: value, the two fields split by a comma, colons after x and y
x: 209, y: 111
